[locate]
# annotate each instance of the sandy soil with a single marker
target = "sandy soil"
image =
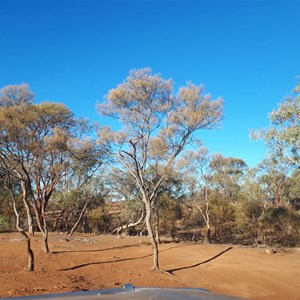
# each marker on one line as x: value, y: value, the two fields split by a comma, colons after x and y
x: 90, y: 262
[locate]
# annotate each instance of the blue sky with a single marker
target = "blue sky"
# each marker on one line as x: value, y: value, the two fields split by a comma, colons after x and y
x: 73, y: 52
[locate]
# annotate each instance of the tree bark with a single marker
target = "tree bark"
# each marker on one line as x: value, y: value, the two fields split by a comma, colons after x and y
x: 27, y: 208
x: 157, y: 226
x: 207, y: 239
x: 45, y: 242
x: 29, y: 252
x: 30, y: 261
x: 153, y: 241
x: 42, y: 225
x: 45, y: 231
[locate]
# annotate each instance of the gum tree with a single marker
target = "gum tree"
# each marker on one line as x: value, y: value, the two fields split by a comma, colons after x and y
x: 10, y: 96
x: 283, y: 135
x: 156, y: 127
x: 39, y: 143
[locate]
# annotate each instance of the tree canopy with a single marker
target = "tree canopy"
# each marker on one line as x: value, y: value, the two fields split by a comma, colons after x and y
x: 157, y: 124
x: 283, y: 135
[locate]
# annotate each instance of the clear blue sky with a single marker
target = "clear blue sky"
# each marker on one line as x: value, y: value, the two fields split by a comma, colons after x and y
x: 73, y: 52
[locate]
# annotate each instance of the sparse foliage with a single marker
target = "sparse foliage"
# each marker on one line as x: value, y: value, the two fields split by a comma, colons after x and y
x: 38, y: 143
x: 283, y: 135
x: 157, y: 125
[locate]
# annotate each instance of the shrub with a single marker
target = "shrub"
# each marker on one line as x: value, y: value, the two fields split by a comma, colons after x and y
x: 280, y: 226
x: 3, y: 223
x: 169, y: 211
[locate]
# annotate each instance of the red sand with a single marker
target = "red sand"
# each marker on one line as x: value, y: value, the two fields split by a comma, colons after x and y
x: 103, y: 261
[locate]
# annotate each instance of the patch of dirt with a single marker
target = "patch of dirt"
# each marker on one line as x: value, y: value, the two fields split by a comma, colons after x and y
x: 89, y: 262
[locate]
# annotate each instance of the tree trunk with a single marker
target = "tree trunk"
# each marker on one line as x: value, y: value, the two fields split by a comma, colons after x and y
x: 77, y: 222
x: 27, y: 208
x: 45, y: 242
x: 153, y: 241
x: 217, y: 233
x: 42, y: 225
x: 45, y: 232
x: 54, y: 226
x: 157, y: 226
x: 30, y: 223
x: 207, y: 238
x: 30, y: 261
x: 30, y: 256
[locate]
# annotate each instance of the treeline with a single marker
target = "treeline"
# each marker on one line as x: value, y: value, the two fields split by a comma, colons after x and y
x: 144, y: 178
x: 235, y: 204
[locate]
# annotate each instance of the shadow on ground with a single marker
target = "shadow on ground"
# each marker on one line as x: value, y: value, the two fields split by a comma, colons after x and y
x: 200, y: 263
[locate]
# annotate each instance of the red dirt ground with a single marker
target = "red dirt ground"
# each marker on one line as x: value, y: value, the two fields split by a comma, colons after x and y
x: 88, y: 262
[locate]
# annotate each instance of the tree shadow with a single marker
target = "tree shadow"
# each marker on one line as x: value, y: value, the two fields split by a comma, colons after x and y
x: 98, y: 250
x: 200, y: 263
x: 104, y: 262
x: 111, y: 261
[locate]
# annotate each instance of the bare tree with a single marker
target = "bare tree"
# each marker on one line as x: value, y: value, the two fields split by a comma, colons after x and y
x: 157, y: 125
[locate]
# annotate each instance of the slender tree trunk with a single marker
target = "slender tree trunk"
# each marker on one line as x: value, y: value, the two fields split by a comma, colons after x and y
x: 54, y: 226
x: 40, y: 210
x: 80, y: 217
x: 157, y: 226
x: 45, y: 231
x: 27, y: 208
x: 30, y: 223
x: 42, y: 225
x: 45, y: 242
x: 30, y: 260
x: 205, y: 216
x: 29, y: 252
x: 207, y: 236
x: 153, y: 241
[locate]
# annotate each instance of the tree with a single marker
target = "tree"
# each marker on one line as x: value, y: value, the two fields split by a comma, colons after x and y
x: 157, y: 126
x: 294, y: 190
x: 38, y: 143
x: 74, y: 201
x: 15, y: 94
x: 227, y: 175
x: 274, y: 180
x: 197, y: 172
x: 11, y: 96
x: 283, y: 135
